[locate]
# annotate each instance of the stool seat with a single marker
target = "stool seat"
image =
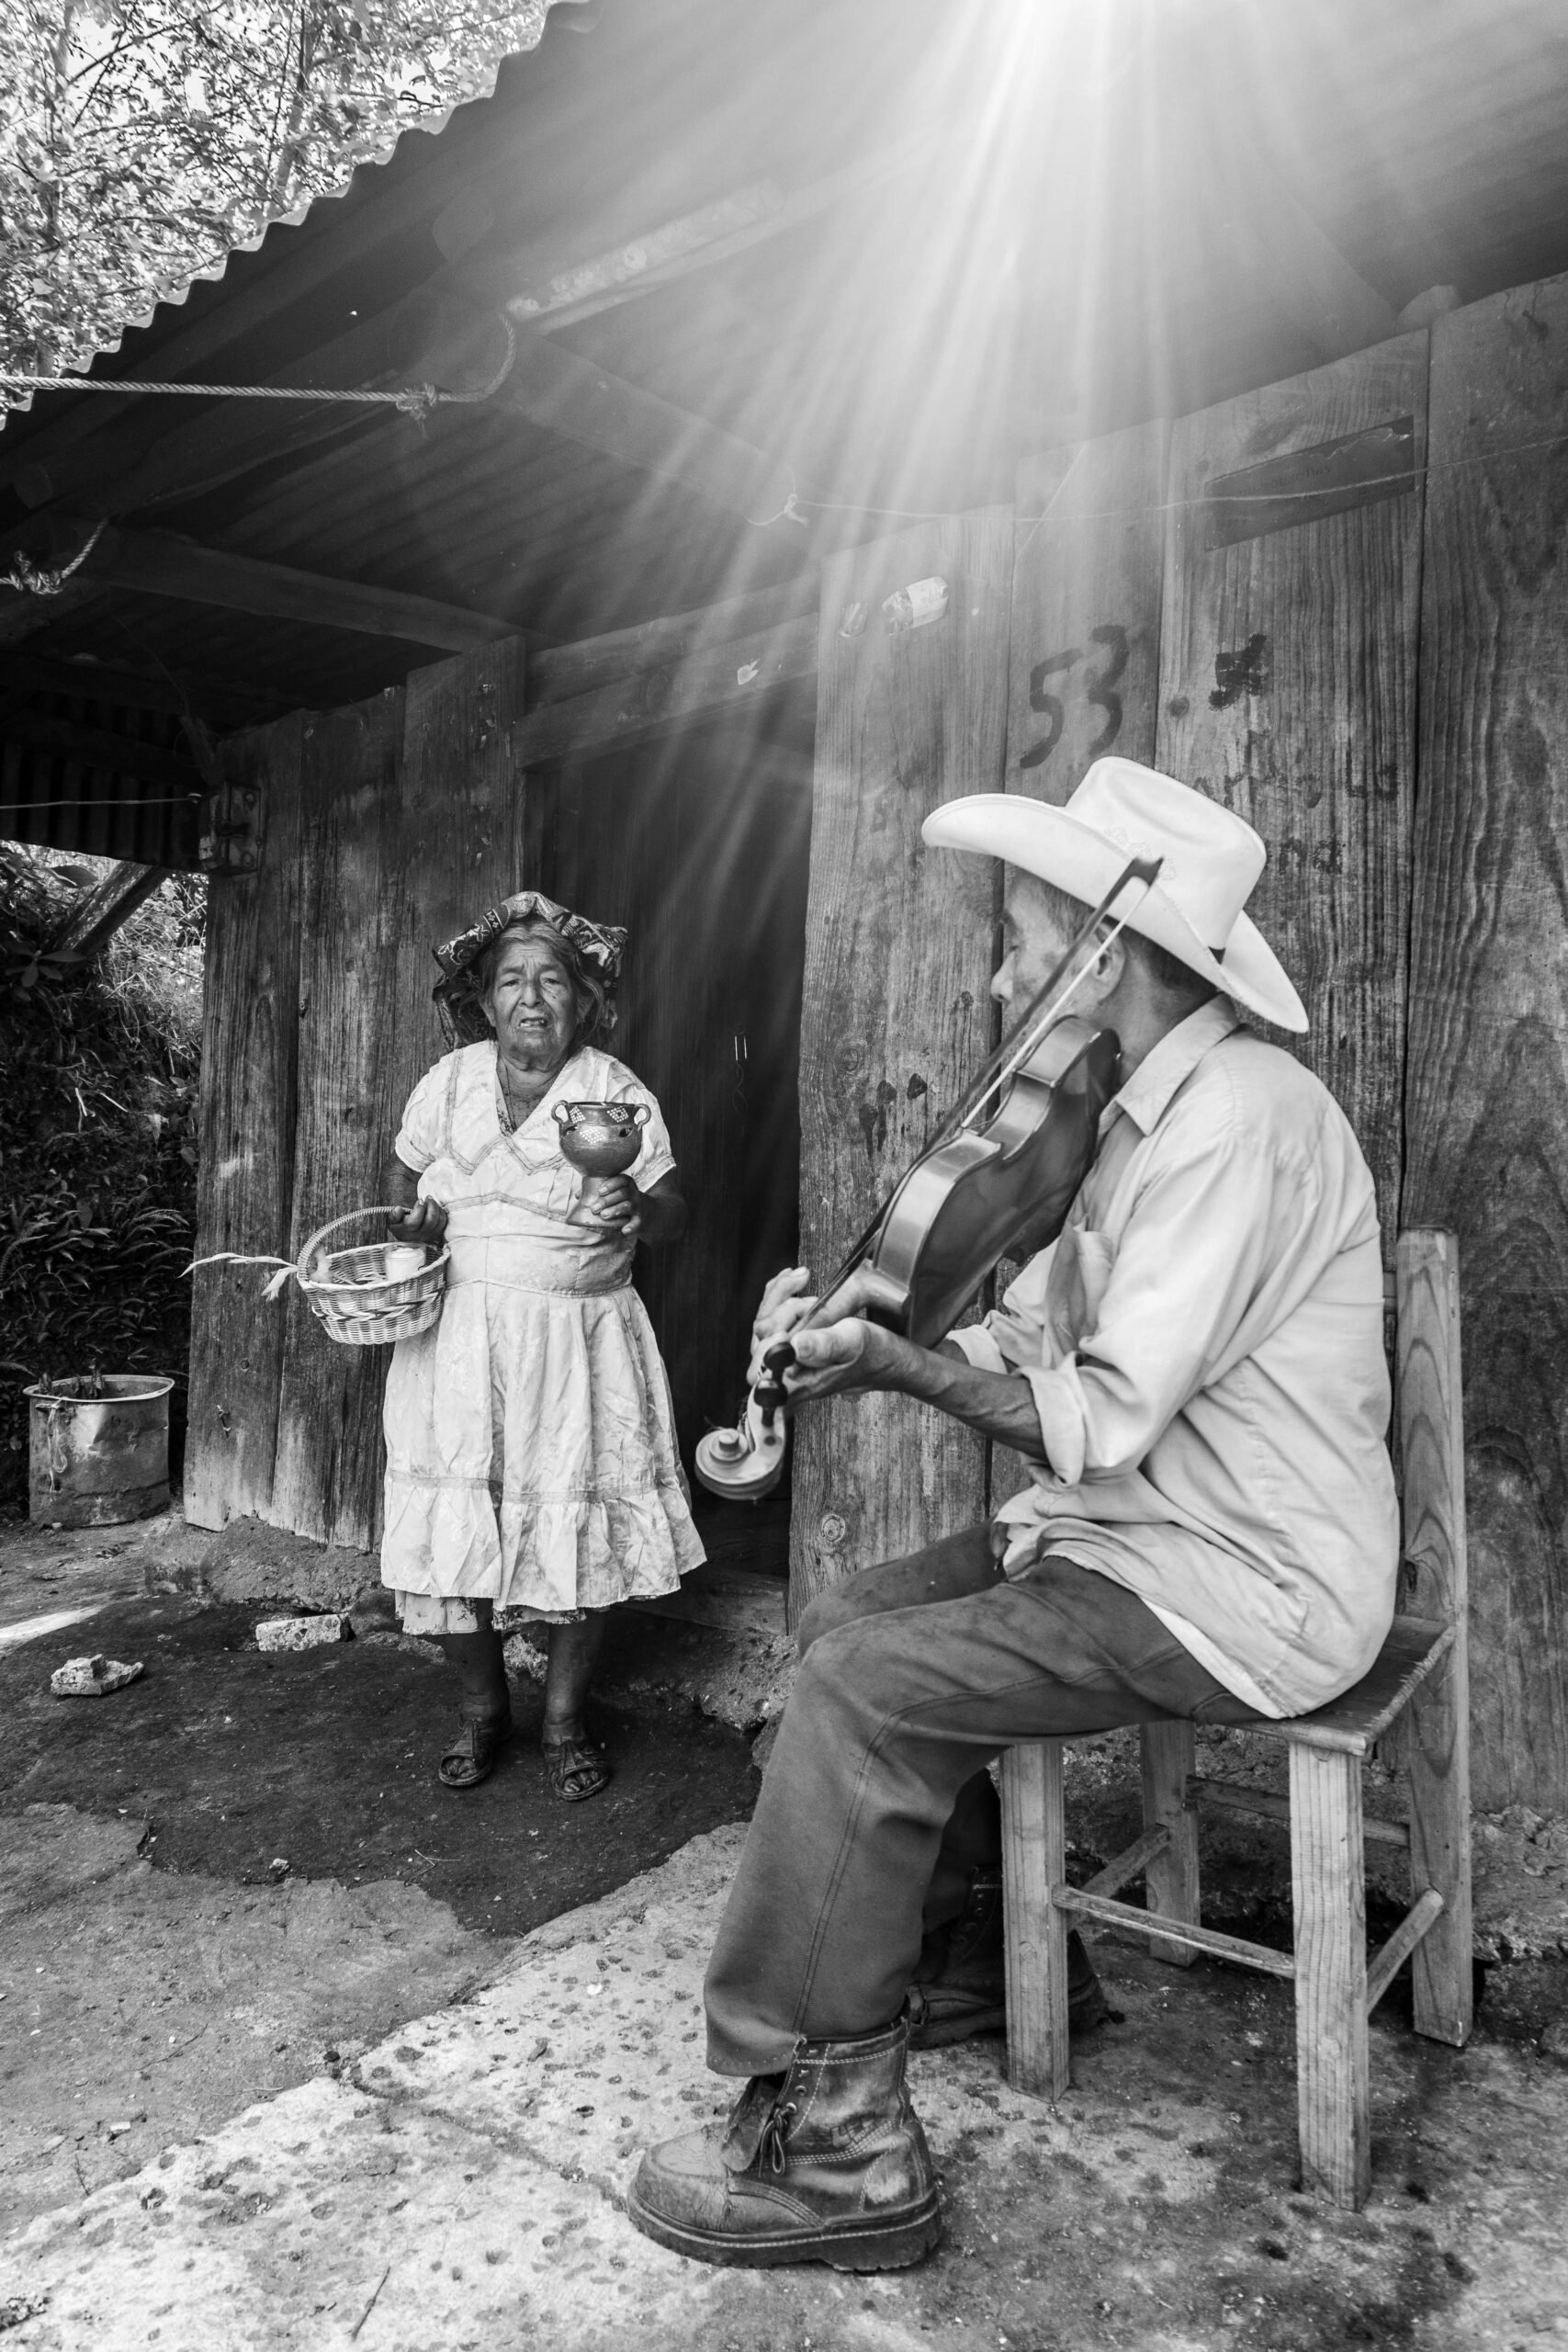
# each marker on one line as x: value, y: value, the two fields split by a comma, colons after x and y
x: 1353, y: 1723
x: 1420, y: 1683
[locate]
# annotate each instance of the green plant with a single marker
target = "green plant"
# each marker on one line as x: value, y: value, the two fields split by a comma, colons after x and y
x: 98, y: 1075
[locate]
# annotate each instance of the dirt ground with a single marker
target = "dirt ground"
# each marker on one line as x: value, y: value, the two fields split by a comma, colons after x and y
x: 242, y: 1862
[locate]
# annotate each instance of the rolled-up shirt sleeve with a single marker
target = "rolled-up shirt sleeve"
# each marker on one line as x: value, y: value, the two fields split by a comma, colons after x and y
x: 1195, y: 1249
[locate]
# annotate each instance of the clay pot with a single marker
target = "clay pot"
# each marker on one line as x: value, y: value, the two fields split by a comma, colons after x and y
x: 601, y: 1138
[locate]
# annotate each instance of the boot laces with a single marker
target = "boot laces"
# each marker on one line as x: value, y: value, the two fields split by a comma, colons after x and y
x: 775, y: 2132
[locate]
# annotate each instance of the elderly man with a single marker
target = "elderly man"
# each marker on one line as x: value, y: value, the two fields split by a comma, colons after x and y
x: 1195, y: 1372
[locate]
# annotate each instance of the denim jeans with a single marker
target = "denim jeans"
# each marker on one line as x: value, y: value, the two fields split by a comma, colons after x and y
x: 876, y: 1807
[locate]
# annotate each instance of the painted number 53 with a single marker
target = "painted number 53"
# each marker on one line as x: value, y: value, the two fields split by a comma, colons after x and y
x: 1096, y: 681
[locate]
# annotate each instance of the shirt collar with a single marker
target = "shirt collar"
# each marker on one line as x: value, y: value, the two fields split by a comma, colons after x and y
x: 1148, y: 1093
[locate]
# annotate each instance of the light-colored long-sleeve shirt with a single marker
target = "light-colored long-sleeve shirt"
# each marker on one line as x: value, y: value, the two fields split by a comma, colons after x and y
x: 1205, y: 1343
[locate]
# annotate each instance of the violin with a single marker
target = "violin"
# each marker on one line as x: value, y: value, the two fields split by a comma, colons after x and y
x: 1005, y: 1162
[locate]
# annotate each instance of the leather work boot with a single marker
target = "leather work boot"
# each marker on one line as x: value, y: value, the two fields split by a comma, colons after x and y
x: 826, y: 2163
x: 961, y: 1986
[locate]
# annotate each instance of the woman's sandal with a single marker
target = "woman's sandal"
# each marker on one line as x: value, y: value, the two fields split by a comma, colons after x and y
x: 472, y: 1756
x: 576, y: 1769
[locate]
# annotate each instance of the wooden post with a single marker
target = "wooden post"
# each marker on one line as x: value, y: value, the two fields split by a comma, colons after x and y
x: 1328, y: 1889
x: 1436, y: 1745
x: 1288, y: 692
x: 1486, y: 1098
x: 1034, y: 1860
x: 245, y: 1190
x: 327, y: 1481
x: 100, y: 913
x: 1170, y: 1879
x: 900, y: 955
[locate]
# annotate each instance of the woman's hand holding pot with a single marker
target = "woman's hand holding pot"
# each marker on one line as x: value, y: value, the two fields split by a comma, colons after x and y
x: 609, y: 1204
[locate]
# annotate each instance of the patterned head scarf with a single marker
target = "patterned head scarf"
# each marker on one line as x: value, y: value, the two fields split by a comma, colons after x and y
x: 597, y: 947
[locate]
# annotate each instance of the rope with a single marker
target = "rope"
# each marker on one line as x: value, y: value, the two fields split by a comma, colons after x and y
x: 32, y: 579
x: 234, y: 1257
x: 417, y: 401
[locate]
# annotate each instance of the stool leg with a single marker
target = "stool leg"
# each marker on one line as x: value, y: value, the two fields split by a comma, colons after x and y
x: 1034, y: 1859
x: 1170, y: 1882
x: 1436, y: 1752
x: 1328, y: 1880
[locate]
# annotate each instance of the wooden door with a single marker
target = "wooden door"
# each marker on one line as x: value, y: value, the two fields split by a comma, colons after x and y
x: 899, y: 953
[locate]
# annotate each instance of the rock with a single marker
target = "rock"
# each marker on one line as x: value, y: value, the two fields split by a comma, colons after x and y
x: 1554, y: 2040
x: 90, y: 1678
x: 299, y: 1632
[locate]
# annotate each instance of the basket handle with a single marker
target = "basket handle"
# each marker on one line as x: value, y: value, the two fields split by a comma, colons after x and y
x: 380, y: 1208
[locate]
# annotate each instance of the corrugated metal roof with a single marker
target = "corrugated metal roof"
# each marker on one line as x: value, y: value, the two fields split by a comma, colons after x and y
x: 476, y: 82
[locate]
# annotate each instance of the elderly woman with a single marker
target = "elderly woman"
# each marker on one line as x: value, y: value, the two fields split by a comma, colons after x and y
x: 532, y: 1469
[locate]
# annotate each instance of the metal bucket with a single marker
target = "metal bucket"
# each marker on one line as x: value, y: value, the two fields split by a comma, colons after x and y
x: 99, y: 1461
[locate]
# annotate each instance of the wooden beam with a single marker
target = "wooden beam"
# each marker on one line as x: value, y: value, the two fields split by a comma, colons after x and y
x: 801, y: 205
x: 98, y: 747
x: 535, y: 290
x: 155, y: 563
x: 562, y: 670
x: 431, y: 335
x: 100, y: 911
x: 725, y: 678
x: 564, y: 394
x: 219, y: 702
x: 22, y: 617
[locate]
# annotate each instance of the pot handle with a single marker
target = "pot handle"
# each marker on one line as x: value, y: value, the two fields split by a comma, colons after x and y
x: 641, y: 1115
x: 564, y: 1114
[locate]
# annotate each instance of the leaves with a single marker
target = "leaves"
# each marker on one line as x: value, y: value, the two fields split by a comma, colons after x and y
x: 98, y: 1069
x: 142, y: 139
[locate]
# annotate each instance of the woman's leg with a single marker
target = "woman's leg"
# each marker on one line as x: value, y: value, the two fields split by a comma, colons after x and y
x: 480, y: 1661
x: 574, y: 1654
x: 576, y: 1767
x: 485, y: 1713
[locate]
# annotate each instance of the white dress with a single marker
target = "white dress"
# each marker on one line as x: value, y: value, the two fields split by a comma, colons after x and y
x: 531, y: 1450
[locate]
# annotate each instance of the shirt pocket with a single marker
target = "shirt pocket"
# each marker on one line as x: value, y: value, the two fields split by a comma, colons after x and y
x: 1080, y: 1275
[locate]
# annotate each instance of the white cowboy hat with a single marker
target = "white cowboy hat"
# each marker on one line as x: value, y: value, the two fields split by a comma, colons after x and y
x: 1210, y: 860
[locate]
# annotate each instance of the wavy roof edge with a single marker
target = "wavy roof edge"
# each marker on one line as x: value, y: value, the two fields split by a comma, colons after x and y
x: 480, y: 81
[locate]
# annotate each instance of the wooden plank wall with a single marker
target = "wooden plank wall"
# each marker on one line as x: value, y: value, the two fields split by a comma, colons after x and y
x: 1486, y: 1099
x: 389, y: 825
x: 898, y: 961
x: 329, y: 1396
x: 1287, y: 691
x: 245, y: 1192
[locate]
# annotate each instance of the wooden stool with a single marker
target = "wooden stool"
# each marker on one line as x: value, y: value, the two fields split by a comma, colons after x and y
x: 1420, y: 1682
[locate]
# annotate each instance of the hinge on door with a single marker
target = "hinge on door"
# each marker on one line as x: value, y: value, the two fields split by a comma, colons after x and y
x: 232, y: 828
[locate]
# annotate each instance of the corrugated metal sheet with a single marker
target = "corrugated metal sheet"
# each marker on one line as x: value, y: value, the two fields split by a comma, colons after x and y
x: 477, y: 83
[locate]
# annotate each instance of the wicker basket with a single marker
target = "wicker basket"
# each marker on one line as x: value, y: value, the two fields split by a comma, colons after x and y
x: 358, y: 1302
